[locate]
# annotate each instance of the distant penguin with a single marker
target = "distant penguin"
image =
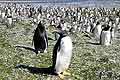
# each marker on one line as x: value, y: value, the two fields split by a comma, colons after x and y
x: 105, y: 37
x: 97, y: 30
x: 9, y: 21
x: 40, y: 39
x: 3, y: 15
x: 39, y: 16
x: 0, y: 12
x: 62, y: 54
x: 88, y: 27
x: 117, y: 20
x: 112, y: 31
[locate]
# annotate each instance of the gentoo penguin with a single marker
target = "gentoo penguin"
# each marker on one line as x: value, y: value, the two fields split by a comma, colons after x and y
x: 97, y: 30
x: 3, y: 15
x: 105, y: 37
x: 9, y: 21
x: 40, y: 39
x: 62, y: 54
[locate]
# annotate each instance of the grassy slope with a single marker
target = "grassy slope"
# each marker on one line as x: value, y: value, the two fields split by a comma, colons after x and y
x: 89, y: 62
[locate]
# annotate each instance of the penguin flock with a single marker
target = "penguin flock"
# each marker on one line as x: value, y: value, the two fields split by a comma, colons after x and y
x: 103, y: 23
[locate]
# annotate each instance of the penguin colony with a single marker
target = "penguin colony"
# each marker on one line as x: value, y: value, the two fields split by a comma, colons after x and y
x: 102, y: 23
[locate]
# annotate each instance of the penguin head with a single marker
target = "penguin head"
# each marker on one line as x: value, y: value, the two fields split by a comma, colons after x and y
x: 59, y: 26
x: 62, y: 33
x: 97, y: 23
x: 41, y: 26
x: 106, y: 28
x: 111, y: 29
x: 9, y: 16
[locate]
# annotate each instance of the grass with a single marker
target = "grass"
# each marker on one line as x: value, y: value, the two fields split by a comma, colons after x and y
x: 89, y: 61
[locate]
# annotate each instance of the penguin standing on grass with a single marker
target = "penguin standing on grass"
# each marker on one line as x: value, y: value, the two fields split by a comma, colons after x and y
x: 40, y: 39
x: 9, y: 21
x: 3, y: 15
x: 105, y: 37
x: 62, y: 54
x: 97, y: 31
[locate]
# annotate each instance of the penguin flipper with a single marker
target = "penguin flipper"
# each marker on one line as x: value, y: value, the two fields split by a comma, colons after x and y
x: 46, y: 37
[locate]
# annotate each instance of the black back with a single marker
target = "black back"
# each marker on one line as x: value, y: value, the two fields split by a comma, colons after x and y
x: 40, y: 38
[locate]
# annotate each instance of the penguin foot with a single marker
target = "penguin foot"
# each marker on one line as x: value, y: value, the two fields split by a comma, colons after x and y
x: 45, y: 51
x: 36, y: 52
x: 39, y: 52
x: 61, y: 76
x: 66, y: 73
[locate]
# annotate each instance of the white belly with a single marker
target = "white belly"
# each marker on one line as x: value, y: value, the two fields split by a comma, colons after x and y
x: 97, y: 31
x: 64, y: 55
x: 3, y: 15
x: 105, y: 38
x: 88, y: 28
x: 10, y: 21
x: 0, y: 12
